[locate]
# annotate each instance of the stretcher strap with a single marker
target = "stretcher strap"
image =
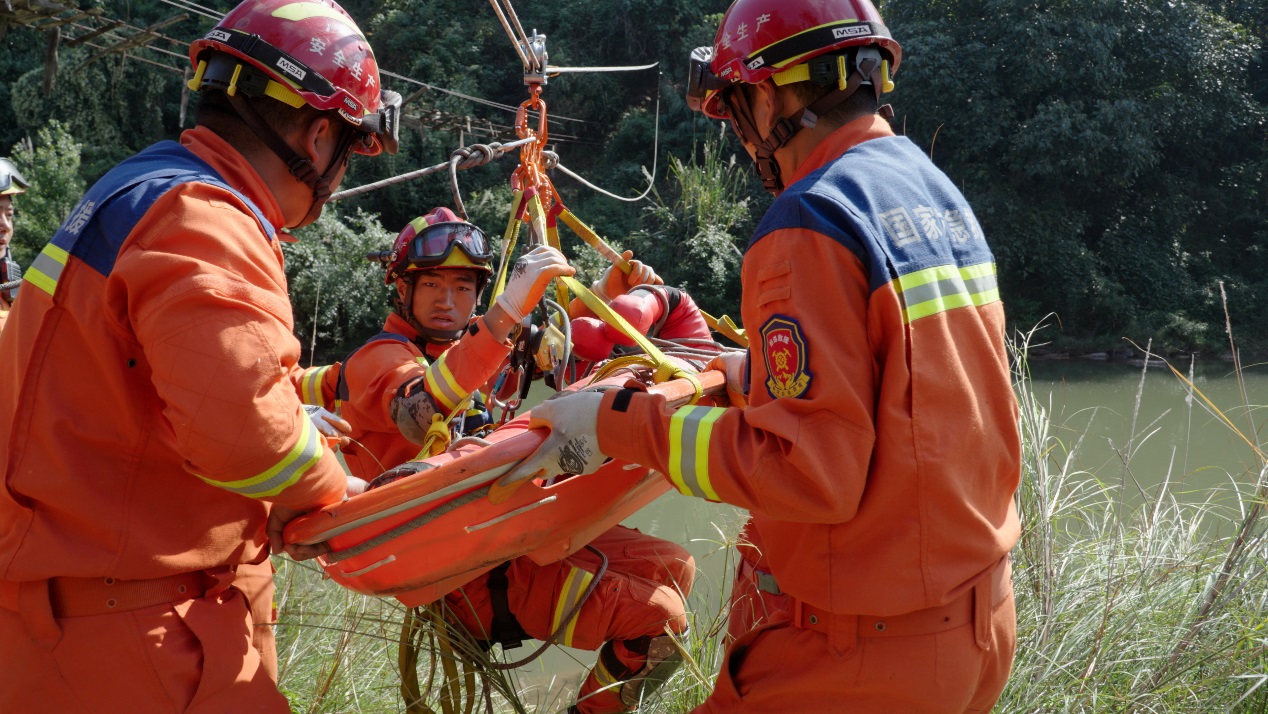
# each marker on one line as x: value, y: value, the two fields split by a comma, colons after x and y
x: 552, y: 239
x: 664, y: 369
x: 726, y: 327
x: 588, y: 235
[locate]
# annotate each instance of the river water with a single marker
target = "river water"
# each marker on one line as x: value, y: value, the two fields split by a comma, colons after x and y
x: 1091, y: 404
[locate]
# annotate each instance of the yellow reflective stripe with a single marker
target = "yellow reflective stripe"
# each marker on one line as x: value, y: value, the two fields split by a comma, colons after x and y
x: 982, y: 283
x: 442, y: 385
x: 574, y: 585
x: 602, y: 676
x: 310, y: 386
x: 283, y: 474
x: 946, y: 287
x: 690, y: 429
x: 46, y: 270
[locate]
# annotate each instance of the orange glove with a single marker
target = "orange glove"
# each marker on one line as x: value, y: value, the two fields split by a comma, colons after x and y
x: 614, y: 283
x: 734, y: 364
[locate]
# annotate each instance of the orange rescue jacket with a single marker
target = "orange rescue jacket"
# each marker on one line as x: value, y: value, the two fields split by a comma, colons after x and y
x: 151, y: 414
x: 879, y: 453
x: 376, y: 371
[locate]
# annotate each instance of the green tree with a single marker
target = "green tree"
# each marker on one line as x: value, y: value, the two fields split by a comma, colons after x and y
x: 113, y: 107
x: 698, y: 230
x: 338, y: 296
x: 1109, y: 147
x: 51, y: 164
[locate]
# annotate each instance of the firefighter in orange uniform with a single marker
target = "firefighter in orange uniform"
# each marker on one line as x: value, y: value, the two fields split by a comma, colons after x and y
x: 11, y: 184
x: 134, y: 572
x: 878, y: 453
x: 432, y: 359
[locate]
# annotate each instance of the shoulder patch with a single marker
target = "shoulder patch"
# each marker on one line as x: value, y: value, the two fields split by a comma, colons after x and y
x: 786, y: 353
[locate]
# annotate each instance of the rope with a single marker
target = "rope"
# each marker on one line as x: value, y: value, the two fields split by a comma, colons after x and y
x: 467, y: 157
x: 11, y: 285
x: 651, y: 183
x: 567, y: 620
x: 475, y: 156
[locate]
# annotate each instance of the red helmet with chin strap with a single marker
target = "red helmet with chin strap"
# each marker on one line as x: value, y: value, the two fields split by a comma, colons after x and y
x: 840, y: 43
x: 300, y: 52
x: 309, y: 52
x: 438, y: 240
x: 762, y: 38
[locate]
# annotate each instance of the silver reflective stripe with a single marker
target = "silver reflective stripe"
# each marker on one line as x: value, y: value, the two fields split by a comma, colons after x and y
x: 302, y: 457
x: 47, y: 268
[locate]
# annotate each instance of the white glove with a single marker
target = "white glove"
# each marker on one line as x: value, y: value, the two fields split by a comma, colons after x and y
x: 529, y: 279
x: 355, y: 487
x: 614, y: 283
x: 329, y: 424
x: 572, y: 446
x: 734, y: 364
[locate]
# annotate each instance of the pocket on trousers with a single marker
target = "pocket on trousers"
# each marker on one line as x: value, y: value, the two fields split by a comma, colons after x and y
x: 174, y: 651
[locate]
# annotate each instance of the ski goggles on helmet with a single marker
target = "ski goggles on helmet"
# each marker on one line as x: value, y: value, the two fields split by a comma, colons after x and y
x: 702, y: 83
x: 433, y: 245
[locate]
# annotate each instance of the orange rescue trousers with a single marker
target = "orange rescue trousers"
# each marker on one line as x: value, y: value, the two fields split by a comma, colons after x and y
x: 641, y: 594
x: 949, y: 659
x: 64, y: 649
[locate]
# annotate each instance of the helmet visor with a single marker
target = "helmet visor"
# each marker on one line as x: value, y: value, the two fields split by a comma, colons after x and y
x: 434, y: 244
x: 701, y: 80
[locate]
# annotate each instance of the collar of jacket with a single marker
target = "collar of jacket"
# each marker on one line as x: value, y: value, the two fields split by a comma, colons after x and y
x: 840, y: 141
x: 236, y: 171
x: 396, y: 323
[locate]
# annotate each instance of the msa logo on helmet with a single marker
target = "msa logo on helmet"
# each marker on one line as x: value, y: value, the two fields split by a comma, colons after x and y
x: 860, y: 29
x: 218, y: 35
x: 351, y: 104
x: 353, y: 120
x: 755, y: 63
x: 291, y: 68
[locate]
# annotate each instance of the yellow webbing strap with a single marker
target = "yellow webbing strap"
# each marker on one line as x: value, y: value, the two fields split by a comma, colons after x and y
x: 725, y: 327
x: 552, y: 239
x: 589, y: 236
x: 537, y: 216
x: 664, y: 368
x: 509, y: 238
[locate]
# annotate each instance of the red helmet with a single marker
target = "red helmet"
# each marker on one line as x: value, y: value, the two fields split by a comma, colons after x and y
x: 310, y: 52
x: 762, y: 38
x: 428, y: 242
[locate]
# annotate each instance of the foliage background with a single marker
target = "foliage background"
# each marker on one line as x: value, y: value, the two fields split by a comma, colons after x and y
x: 1114, y: 150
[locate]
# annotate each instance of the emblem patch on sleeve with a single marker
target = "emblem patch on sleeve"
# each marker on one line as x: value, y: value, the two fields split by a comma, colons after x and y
x: 787, y: 354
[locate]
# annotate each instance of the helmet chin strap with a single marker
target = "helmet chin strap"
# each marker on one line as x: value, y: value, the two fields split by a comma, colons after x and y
x: 787, y: 127
x: 300, y: 167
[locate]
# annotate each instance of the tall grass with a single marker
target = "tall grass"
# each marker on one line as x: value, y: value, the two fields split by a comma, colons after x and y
x: 1145, y: 604
x: 1129, y: 599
